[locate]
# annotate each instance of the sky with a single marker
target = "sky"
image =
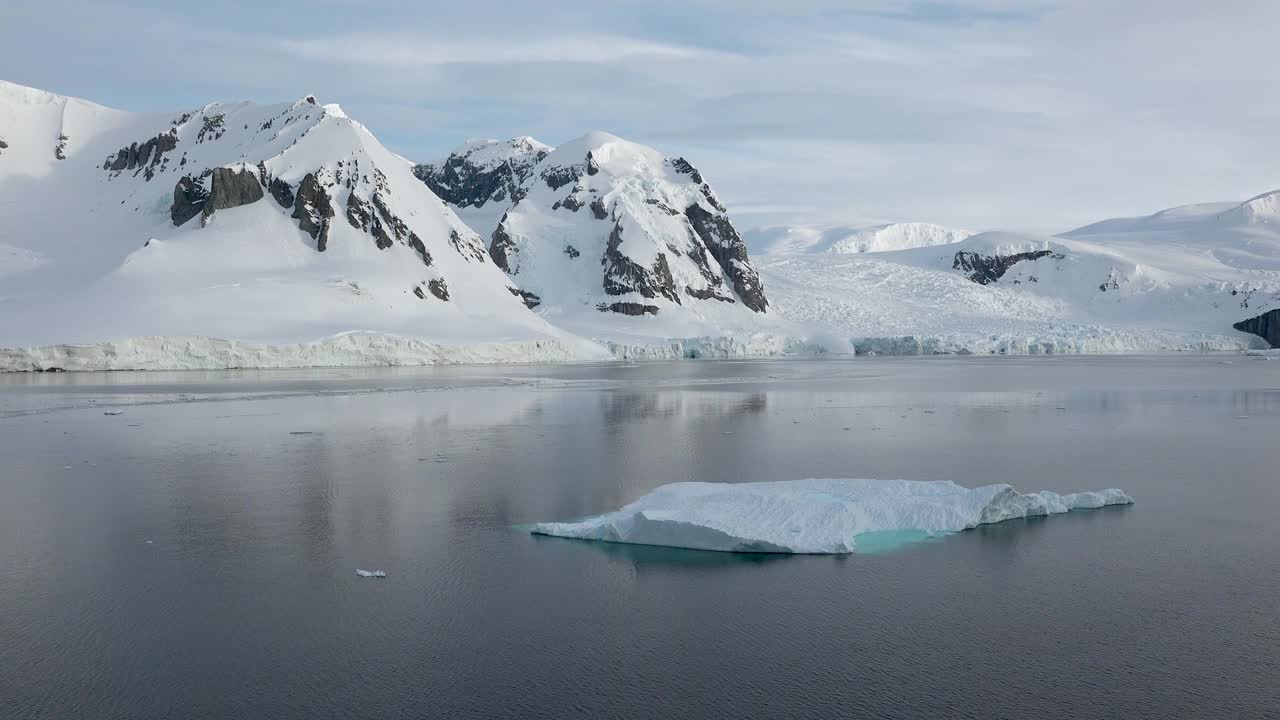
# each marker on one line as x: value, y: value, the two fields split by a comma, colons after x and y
x: 1034, y: 115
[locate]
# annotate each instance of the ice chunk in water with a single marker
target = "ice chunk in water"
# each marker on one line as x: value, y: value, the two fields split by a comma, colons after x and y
x: 371, y: 573
x: 815, y: 516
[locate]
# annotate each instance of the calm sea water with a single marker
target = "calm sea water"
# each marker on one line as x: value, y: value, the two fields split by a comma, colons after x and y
x: 194, y: 555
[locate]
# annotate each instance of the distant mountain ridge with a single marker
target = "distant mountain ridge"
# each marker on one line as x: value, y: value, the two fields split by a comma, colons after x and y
x: 237, y: 234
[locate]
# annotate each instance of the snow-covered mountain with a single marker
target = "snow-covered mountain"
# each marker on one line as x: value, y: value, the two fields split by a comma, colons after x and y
x: 264, y: 223
x: 796, y: 239
x: 289, y: 232
x: 601, y: 225
x: 1182, y: 279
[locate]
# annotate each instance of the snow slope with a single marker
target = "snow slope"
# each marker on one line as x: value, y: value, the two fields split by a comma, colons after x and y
x: 814, y: 516
x: 262, y: 223
x: 1176, y: 280
x: 797, y: 239
x: 239, y: 234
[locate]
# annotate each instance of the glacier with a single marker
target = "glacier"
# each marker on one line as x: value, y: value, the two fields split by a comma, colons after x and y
x: 815, y: 516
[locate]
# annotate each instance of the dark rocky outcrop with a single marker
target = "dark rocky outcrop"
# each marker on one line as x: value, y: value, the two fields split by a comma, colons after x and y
x: 502, y: 247
x: 60, y: 150
x: 282, y: 192
x: 189, y: 197
x: 470, y: 247
x: 313, y: 209
x: 1265, y: 326
x: 592, y: 167
x: 375, y: 218
x: 359, y: 213
x: 684, y: 167
x: 571, y: 251
x: 986, y: 269
x: 3, y: 145
x: 147, y: 156
x: 598, y: 209
x: 662, y: 206
x: 530, y: 300
x: 559, y: 176
x: 211, y: 128
x: 461, y: 182
x: 708, y: 293
x: 573, y: 202
x: 438, y: 288
x: 231, y: 188
x: 622, y: 275
x: 415, y: 242
x: 628, y: 308
x: 724, y: 243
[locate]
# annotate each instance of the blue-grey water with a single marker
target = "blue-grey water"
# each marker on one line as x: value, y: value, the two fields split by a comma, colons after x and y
x: 193, y: 556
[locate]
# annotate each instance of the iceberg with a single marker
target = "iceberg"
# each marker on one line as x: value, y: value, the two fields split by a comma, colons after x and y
x: 371, y: 573
x: 815, y: 516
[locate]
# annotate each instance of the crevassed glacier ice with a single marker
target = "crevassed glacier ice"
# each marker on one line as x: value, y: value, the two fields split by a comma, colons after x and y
x: 813, y: 516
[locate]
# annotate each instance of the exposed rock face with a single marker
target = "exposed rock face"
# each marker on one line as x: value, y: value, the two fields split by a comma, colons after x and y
x: 313, y: 209
x: 684, y: 167
x: 231, y: 188
x: 629, y: 308
x: 1265, y: 326
x: 189, y: 197
x: 374, y: 217
x: 147, y: 156
x: 60, y: 150
x: 282, y: 192
x: 469, y: 246
x: 483, y: 172
x: 530, y: 300
x: 3, y: 145
x: 439, y: 289
x: 598, y: 209
x: 727, y: 247
x: 558, y: 176
x: 986, y: 269
x: 622, y: 275
x: 502, y: 248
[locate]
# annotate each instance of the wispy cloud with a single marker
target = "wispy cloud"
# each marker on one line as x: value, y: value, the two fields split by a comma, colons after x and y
x: 1034, y: 114
x: 408, y: 50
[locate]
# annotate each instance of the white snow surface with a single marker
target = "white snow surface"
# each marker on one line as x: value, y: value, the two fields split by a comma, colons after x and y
x: 799, y: 239
x: 816, y: 516
x: 94, y: 275
x: 1173, y: 281
x: 90, y: 256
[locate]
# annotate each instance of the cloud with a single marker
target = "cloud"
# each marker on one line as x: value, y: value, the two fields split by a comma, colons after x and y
x: 407, y: 50
x: 1024, y: 114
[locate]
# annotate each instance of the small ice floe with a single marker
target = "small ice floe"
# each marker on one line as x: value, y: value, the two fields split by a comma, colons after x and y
x: 816, y: 516
x: 118, y: 412
x: 371, y: 573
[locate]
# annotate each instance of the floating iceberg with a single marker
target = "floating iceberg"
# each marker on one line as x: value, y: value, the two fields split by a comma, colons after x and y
x: 814, y: 516
x: 371, y: 573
